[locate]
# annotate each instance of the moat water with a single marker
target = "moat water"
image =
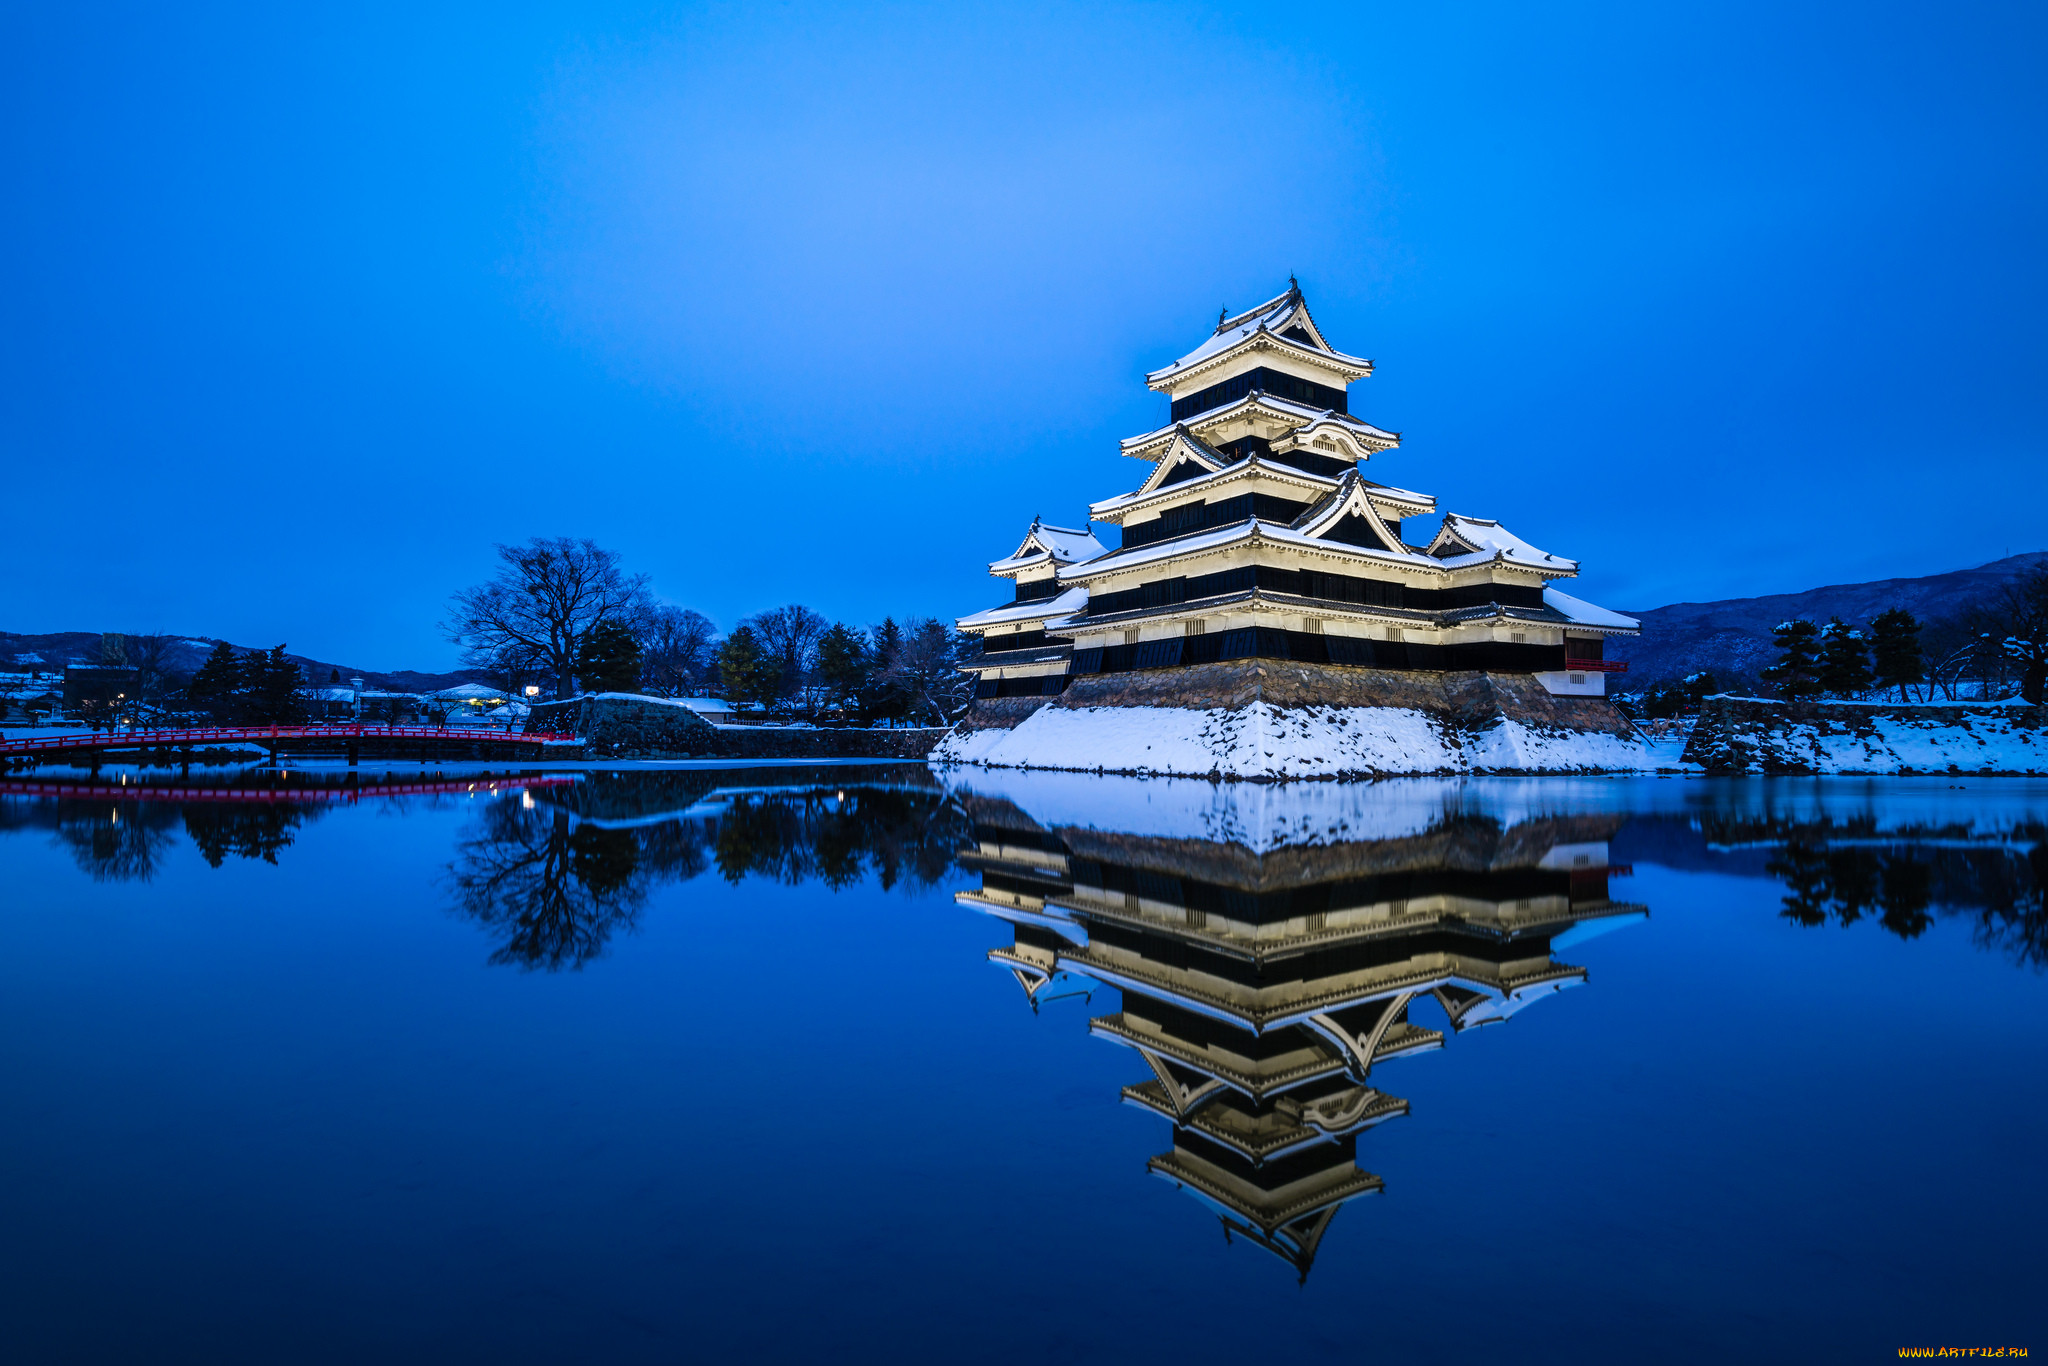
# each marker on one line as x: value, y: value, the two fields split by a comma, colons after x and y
x: 866, y: 1063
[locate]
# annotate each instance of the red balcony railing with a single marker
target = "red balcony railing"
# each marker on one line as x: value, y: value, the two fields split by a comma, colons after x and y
x: 1596, y: 666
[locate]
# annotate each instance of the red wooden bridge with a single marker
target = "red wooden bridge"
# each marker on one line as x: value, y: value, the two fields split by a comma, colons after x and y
x: 352, y: 792
x: 267, y: 737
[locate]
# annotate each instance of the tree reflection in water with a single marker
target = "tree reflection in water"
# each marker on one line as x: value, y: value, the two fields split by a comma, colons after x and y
x: 555, y: 890
x: 258, y: 830
x: 557, y: 877
x: 116, y: 841
x: 1844, y: 871
x: 837, y: 837
x: 128, y: 841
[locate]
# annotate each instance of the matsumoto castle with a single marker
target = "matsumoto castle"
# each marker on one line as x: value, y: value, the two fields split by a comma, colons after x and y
x: 1259, y: 566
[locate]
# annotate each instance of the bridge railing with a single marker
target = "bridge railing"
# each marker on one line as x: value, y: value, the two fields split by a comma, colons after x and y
x: 205, y: 735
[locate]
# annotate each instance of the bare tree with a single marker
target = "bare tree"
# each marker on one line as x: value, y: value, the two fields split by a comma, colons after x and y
x: 675, y: 650
x: 790, y: 636
x: 925, y: 665
x: 546, y: 597
x: 2024, y: 608
x: 158, y: 679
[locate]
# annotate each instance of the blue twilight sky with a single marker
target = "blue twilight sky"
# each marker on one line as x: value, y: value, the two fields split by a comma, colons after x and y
x: 306, y: 309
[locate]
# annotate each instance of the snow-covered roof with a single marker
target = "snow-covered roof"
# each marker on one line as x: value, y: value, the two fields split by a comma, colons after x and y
x: 1482, y: 540
x: 1237, y: 531
x: 466, y: 691
x: 1275, y: 317
x: 1215, y: 465
x: 1069, y: 602
x: 1583, y: 613
x: 1044, y: 544
x: 1108, y: 508
x: 1364, y: 431
x: 1406, y: 496
x: 701, y: 704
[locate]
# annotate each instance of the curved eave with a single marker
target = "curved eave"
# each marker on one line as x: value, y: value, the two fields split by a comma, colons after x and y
x: 1010, y: 659
x: 1551, y: 565
x: 1060, y: 605
x: 1533, y: 616
x: 1017, y: 564
x: 1330, y: 433
x: 1401, y: 498
x: 1250, y: 529
x: 1587, y: 616
x: 1142, y: 447
x: 1551, y: 568
x: 1260, y: 339
x: 1114, y: 510
x: 1259, y: 597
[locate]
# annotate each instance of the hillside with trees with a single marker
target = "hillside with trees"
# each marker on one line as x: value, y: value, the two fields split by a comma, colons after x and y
x: 1732, y: 638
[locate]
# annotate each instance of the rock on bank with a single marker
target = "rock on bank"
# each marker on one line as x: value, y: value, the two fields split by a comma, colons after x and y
x: 1761, y: 735
x: 1270, y: 719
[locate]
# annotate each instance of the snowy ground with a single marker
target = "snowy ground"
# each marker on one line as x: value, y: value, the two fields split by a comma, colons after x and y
x: 1263, y: 741
x: 1991, y: 740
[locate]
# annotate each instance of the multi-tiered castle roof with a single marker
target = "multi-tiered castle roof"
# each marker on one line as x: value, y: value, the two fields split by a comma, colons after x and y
x: 1255, y: 535
x: 1263, y: 993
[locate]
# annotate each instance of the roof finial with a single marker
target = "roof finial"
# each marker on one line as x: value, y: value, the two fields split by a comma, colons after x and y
x: 1293, y: 283
x: 1222, y: 314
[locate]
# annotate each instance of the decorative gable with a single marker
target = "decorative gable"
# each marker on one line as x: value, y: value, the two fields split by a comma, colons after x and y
x: 1347, y: 516
x: 1186, y: 457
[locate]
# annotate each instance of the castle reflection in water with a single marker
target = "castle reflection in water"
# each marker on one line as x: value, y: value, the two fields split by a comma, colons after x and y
x: 1265, y: 977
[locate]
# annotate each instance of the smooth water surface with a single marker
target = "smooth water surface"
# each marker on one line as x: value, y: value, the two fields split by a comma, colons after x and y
x: 871, y: 1063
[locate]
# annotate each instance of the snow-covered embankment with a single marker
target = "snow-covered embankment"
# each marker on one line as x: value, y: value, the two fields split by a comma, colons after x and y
x: 1262, y: 741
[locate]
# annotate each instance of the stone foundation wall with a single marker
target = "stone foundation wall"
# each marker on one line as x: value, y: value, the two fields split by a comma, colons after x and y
x: 1466, y: 700
x: 620, y: 727
x: 763, y: 742
x: 1000, y: 713
x: 635, y: 728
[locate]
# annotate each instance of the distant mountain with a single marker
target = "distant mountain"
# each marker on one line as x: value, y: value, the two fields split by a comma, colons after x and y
x: 1732, y: 638
x: 53, y: 652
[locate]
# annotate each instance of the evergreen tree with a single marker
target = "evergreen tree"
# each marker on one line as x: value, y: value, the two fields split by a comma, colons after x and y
x: 1896, y: 645
x: 217, y: 687
x: 608, y: 660
x: 1699, y: 687
x: 1663, y: 701
x: 1797, y: 672
x: 750, y: 674
x: 1844, y: 660
x: 273, y: 692
x: 926, y: 668
x: 886, y: 698
x: 844, y: 665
